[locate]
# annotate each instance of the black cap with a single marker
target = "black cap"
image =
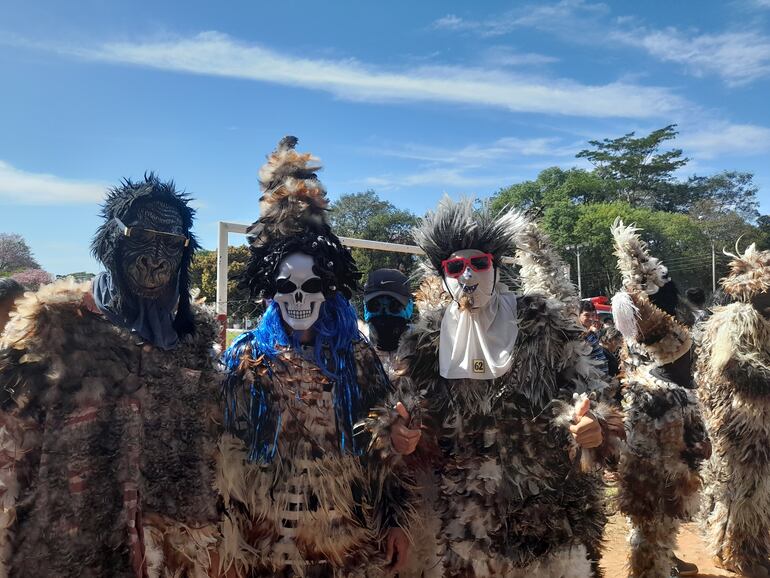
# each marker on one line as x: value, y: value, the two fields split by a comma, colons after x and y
x: 390, y: 282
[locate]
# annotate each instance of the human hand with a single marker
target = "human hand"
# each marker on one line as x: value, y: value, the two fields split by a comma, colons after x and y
x: 586, y: 429
x: 402, y: 437
x: 397, y: 550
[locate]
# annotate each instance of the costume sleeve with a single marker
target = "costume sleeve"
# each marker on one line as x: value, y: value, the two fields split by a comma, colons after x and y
x: 22, y: 381
x: 390, y: 481
x: 557, y: 368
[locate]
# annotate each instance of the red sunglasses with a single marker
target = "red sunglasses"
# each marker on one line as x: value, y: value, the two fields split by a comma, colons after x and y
x: 455, y: 266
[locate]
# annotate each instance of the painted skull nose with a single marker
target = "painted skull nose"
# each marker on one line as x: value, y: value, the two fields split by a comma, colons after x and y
x: 298, y: 297
x: 468, y: 273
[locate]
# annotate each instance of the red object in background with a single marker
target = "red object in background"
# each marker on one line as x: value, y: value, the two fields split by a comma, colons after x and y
x: 602, y: 303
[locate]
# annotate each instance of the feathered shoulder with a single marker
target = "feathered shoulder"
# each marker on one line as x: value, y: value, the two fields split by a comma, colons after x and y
x: 542, y: 269
x: 749, y: 273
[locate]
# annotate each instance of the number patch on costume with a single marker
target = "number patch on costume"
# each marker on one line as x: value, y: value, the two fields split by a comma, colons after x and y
x: 478, y: 366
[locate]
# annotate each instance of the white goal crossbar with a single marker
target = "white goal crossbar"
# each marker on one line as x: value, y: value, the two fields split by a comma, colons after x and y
x: 225, y: 228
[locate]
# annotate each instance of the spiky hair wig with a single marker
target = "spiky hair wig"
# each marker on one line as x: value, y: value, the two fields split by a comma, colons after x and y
x: 455, y: 226
x: 123, y: 202
x: 749, y: 273
x: 293, y: 219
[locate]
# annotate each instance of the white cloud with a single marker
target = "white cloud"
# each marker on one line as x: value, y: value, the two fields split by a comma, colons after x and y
x: 474, y: 155
x: 737, y: 57
x: 215, y: 54
x: 725, y: 139
x: 473, y: 167
x: 565, y: 16
x: 23, y: 188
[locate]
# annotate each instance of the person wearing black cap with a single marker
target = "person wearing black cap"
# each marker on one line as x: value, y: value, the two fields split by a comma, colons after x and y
x: 388, y: 307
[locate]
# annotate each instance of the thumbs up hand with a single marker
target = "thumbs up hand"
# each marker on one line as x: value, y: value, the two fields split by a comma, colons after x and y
x: 403, y: 438
x: 586, y: 429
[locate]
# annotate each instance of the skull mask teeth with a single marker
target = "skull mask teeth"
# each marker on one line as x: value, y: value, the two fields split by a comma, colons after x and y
x: 299, y: 293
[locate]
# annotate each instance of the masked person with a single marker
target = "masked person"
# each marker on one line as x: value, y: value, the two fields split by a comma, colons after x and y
x: 666, y: 438
x: 504, y: 437
x: 304, y: 496
x: 388, y: 308
x: 109, y: 400
x: 733, y: 372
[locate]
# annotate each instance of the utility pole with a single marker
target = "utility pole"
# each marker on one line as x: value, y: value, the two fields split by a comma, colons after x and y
x: 713, y: 268
x: 579, y: 277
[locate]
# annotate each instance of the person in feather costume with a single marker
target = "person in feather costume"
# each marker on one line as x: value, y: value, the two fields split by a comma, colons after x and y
x: 500, y: 385
x: 109, y: 407
x: 666, y: 439
x: 733, y: 373
x: 306, y: 492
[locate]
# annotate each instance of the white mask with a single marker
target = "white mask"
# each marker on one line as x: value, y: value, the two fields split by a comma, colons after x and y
x: 473, y: 287
x: 299, y: 291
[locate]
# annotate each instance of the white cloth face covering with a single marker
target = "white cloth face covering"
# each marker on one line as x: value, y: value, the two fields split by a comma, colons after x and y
x: 477, y: 342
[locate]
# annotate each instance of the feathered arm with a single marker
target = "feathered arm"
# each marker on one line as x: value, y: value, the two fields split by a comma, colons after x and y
x: 390, y: 481
x: 558, y: 374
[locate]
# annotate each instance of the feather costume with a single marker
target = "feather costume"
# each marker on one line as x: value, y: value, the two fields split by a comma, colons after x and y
x: 306, y: 493
x: 665, y: 434
x: 733, y: 374
x: 504, y: 490
x: 108, y: 443
x: 543, y: 271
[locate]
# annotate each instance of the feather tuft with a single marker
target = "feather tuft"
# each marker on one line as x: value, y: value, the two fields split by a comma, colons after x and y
x: 626, y: 315
x: 640, y: 270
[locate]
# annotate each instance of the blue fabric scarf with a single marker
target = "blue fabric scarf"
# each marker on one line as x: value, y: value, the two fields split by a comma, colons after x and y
x: 154, y: 320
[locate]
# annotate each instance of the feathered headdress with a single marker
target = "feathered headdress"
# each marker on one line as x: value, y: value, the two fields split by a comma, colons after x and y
x: 749, y: 273
x: 542, y: 270
x: 645, y: 310
x: 293, y: 209
x: 123, y: 202
x: 455, y: 226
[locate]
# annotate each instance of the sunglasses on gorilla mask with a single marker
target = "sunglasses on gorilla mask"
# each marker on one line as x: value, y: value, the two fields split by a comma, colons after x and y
x: 150, y: 235
x: 456, y: 266
x: 309, y: 286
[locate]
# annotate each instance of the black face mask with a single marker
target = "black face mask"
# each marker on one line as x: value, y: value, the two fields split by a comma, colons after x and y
x: 385, y: 331
x: 153, y: 252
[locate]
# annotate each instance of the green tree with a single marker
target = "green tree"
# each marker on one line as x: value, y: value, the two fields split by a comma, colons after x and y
x: 643, y: 174
x: 203, y: 275
x: 366, y: 216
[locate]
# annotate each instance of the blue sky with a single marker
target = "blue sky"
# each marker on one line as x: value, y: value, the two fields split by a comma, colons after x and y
x: 411, y: 99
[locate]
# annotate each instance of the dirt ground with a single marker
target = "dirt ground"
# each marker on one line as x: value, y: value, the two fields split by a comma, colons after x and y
x: 691, y: 548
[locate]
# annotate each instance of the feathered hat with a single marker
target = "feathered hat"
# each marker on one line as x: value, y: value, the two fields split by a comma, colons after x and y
x: 455, y: 226
x: 293, y: 219
x: 542, y: 270
x: 749, y: 273
x: 645, y: 310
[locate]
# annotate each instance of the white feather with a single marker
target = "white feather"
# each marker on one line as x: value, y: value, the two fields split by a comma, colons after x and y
x: 625, y: 314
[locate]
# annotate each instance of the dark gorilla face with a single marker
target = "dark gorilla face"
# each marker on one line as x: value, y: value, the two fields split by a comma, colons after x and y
x: 150, y: 258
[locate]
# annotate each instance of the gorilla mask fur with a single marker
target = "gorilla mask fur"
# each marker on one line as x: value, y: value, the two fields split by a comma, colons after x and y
x: 135, y: 264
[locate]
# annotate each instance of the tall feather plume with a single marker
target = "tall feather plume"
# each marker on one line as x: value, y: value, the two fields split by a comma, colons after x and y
x: 640, y: 270
x: 542, y: 268
x: 625, y: 314
x: 293, y: 198
x: 293, y: 219
x: 749, y: 273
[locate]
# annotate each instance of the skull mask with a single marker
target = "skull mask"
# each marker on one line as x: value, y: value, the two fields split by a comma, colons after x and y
x: 299, y: 291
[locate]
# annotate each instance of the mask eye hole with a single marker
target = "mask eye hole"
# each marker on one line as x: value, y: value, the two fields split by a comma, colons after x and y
x: 481, y: 263
x: 285, y: 286
x: 454, y: 267
x: 312, y: 285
